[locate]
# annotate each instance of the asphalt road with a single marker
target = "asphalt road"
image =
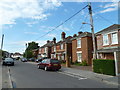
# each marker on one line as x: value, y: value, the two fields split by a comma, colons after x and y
x: 26, y: 75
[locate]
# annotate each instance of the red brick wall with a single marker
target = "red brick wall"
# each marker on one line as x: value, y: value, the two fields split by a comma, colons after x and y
x: 86, y: 48
x: 74, y: 50
x: 100, y: 41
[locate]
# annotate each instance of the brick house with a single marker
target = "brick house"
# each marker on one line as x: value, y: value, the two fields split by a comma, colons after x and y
x: 108, y: 43
x: 45, y: 50
x: 35, y: 53
x: 82, y: 47
x: 60, y: 49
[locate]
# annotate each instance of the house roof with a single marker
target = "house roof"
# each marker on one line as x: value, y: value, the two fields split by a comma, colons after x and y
x: 84, y: 34
x: 49, y: 44
x: 66, y: 40
x: 109, y: 29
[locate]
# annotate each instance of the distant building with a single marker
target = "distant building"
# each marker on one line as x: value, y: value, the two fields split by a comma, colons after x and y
x: 16, y: 55
x: 62, y: 50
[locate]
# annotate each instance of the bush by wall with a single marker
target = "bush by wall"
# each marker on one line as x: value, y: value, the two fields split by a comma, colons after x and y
x: 104, y: 66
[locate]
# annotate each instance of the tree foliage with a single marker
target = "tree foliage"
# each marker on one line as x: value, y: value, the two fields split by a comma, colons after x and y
x: 31, y: 46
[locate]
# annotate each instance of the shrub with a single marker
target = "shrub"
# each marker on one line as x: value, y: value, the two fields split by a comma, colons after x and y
x: 84, y: 63
x: 104, y: 66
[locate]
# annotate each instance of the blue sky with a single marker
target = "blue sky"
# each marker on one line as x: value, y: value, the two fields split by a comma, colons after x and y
x: 26, y: 21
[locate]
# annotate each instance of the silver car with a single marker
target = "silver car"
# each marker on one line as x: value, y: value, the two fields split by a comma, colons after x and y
x: 8, y: 61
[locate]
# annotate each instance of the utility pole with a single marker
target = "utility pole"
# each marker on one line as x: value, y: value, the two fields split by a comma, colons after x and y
x: 2, y: 41
x: 1, y: 48
x: 26, y: 51
x: 92, y: 29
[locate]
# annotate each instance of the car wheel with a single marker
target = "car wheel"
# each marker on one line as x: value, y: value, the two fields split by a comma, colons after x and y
x: 46, y: 68
x: 38, y: 67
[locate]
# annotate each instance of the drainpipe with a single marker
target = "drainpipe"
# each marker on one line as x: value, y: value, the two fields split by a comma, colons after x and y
x: 116, y: 63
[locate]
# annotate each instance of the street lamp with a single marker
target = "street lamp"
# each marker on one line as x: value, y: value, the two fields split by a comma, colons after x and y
x: 93, y: 38
x: 26, y: 50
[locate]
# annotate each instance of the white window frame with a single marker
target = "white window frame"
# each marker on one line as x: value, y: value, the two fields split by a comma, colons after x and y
x: 45, y: 49
x: 112, y: 38
x: 79, y: 44
x: 79, y: 60
x: 104, y: 44
x: 54, y: 48
x: 61, y: 46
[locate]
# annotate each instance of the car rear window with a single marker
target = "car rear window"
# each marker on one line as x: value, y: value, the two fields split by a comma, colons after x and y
x: 54, y: 61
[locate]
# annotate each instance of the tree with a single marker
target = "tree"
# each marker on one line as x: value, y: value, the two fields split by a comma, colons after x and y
x: 31, y: 46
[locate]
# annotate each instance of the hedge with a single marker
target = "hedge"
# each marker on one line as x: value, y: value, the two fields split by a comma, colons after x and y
x: 104, y: 66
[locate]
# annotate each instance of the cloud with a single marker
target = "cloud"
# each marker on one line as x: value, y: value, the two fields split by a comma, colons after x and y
x: 10, y: 10
x: 65, y: 10
x: 63, y: 28
x: 108, y: 10
x: 51, y: 35
x: 109, y: 7
x: 30, y: 24
x: 32, y: 33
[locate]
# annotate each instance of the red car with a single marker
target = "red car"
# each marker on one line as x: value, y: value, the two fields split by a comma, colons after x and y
x: 49, y: 64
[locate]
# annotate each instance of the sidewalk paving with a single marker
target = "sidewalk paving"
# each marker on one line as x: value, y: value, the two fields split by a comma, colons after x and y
x: 87, y: 73
x: 0, y: 76
x: 91, y: 75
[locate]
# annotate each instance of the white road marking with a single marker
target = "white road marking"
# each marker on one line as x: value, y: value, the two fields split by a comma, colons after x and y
x: 73, y: 75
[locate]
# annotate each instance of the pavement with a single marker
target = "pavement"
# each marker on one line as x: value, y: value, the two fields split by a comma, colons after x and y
x: 76, y: 71
x: 0, y: 76
x: 91, y: 75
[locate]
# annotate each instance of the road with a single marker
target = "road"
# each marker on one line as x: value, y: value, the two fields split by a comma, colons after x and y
x: 26, y: 75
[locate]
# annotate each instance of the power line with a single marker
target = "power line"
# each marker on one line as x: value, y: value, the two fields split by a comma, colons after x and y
x: 83, y: 21
x: 63, y: 22
x: 104, y: 18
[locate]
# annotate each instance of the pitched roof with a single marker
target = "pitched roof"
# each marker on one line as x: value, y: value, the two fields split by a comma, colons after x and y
x: 47, y: 44
x: 84, y: 34
x: 66, y: 40
x: 109, y: 29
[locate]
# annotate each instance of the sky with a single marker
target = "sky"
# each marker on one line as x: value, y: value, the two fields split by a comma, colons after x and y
x: 23, y: 21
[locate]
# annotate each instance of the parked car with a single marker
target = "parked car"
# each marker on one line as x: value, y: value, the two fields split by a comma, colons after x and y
x: 8, y: 61
x: 49, y: 64
x: 24, y: 60
x: 40, y: 59
x: 31, y: 59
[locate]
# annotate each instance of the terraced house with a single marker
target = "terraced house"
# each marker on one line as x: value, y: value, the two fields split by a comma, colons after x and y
x: 82, y: 47
x: 108, y: 44
x: 45, y: 50
x: 62, y: 50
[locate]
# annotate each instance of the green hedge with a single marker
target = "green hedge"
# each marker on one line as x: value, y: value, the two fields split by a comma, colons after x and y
x: 104, y: 66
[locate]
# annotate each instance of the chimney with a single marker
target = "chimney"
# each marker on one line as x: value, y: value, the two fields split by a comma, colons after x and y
x: 74, y: 35
x: 48, y: 41
x: 54, y: 40
x: 63, y: 35
x: 80, y: 32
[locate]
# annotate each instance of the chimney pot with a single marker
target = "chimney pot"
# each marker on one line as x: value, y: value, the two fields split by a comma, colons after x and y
x: 80, y: 32
x: 48, y: 41
x: 54, y: 40
x: 63, y: 35
x: 74, y: 35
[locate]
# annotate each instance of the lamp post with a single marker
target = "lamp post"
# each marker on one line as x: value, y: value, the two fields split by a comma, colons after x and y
x: 93, y: 38
x: 92, y: 30
x: 26, y: 51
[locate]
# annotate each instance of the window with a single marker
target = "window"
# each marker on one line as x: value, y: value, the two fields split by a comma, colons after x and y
x: 105, y: 39
x: 114, y: 38
x: 54, y: 49
x: 61, y: 46
x: 79, y: 43
x: 79, y: 57
x: 45, y: 49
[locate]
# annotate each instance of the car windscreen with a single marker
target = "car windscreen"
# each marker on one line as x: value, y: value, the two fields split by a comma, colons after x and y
x: 8, y: 59
x: 54, y: 61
